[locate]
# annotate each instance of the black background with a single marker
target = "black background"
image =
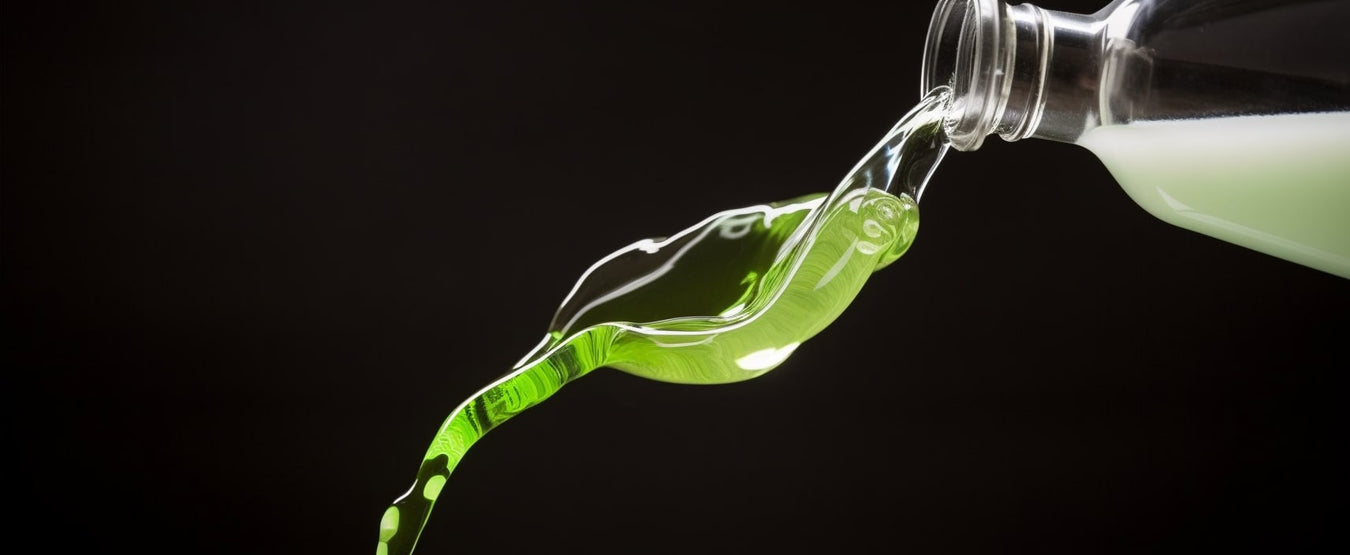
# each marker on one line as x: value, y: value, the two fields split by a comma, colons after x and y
x: 254, y: 252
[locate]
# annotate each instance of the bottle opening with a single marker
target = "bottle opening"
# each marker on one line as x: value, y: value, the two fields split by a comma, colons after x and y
x: 942, y: 45
x: 961, y: 52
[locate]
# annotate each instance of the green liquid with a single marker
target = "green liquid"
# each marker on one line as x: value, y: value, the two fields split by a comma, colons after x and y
x: 725, y: 300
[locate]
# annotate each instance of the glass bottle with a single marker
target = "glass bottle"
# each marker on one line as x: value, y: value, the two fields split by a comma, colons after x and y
x: 1226, y: 117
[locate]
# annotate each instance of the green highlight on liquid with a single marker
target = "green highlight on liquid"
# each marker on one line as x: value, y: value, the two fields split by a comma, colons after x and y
x: 723, y: 301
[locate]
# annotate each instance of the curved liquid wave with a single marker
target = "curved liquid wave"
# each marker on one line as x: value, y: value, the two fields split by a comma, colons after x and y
x: 723, y: 301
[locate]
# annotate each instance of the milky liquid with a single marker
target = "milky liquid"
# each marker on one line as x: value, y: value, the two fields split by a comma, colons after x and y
x: 725, y: 300
x: 1275, y: 184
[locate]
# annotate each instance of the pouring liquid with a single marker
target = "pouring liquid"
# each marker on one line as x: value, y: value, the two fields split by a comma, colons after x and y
x: 722, y: 301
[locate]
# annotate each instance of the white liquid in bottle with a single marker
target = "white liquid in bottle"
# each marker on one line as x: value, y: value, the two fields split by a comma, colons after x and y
x: 1275, y: 184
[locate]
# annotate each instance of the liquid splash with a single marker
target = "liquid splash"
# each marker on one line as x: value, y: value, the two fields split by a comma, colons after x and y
x: 723, y: 301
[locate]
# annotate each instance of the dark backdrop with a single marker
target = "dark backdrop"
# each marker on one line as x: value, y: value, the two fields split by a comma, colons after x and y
x: 254, y: 252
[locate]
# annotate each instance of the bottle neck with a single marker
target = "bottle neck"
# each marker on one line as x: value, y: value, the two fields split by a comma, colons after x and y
x: 1015, y: 71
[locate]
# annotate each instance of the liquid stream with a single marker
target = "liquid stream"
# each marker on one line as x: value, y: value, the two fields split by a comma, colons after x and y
x: 723, y: 301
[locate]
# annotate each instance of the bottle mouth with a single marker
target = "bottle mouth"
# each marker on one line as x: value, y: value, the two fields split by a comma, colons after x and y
x: 961, y: 52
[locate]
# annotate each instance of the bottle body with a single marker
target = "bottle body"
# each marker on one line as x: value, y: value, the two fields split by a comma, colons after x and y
x: 1229, y: 118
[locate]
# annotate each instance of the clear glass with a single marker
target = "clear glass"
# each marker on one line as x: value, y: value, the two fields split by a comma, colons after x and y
x: 1230, y: 118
